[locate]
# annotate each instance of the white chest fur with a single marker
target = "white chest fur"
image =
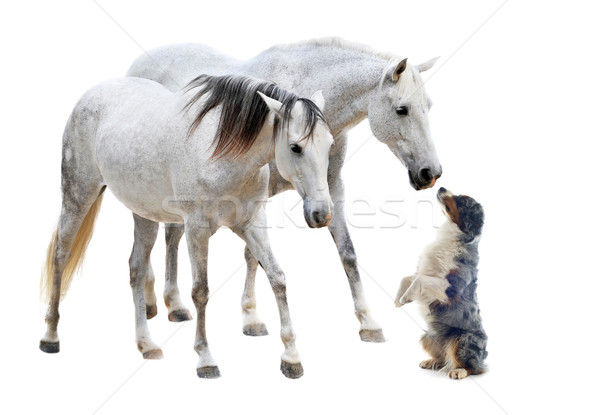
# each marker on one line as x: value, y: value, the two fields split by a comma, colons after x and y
x: 439, y: 257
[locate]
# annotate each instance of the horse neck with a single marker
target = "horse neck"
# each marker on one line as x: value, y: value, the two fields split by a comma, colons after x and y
x: 346, y: 75
x: 348, y: 89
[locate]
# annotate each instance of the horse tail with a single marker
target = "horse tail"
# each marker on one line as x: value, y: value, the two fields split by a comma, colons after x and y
x: 80, y: 244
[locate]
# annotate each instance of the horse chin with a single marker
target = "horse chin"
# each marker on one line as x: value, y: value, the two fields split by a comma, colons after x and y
x: 313, y: 224
x: 310, y: 224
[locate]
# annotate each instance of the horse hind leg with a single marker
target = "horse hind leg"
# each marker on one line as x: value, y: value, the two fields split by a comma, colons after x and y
x: 177, y: 311
x: 252, y: 324
x: 65, y: 254
x: 197, y: 236
x: 82, y: 187
x: 139, y: 262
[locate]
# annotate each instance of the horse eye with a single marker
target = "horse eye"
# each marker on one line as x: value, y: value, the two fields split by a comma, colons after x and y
x: 296, y: 148
x: 402, y: 110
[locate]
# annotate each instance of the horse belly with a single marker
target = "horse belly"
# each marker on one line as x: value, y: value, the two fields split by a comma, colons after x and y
x: 152, y: 205
x: 139, y: 178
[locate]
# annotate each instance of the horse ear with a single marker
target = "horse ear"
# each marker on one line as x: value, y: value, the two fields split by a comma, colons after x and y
x: 273, y: 104
x: 399, y: 69
x: 318, y: 99
x: 425, y: 66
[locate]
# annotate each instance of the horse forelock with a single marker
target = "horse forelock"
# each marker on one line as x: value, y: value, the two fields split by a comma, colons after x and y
x: 311, y: 115
x: 243, y: 112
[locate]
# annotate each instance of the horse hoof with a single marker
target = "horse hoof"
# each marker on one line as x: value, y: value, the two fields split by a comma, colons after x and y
x: 49, y: 347
x: 178, y: 316
x: 153, y: 354
x: 372, y: 336
x: 208, y: 372
x: 256, y: 329
x: 151, y: 311
x: 291, y: 370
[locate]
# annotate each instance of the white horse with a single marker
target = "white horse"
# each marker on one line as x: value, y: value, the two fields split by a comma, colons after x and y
x: 197, y: 157
x: 357, y: 83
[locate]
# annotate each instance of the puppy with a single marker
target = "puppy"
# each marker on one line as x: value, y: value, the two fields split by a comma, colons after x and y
x: 444, y: 285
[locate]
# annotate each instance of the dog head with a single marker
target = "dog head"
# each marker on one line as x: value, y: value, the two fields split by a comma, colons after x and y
x: 464, y: 211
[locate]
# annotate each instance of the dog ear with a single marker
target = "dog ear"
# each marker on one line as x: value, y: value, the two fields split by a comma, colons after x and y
x: 472, y: 219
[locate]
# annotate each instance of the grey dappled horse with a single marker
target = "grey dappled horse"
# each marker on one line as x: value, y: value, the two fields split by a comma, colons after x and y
x: 198, y: 157
x: 357, y: 83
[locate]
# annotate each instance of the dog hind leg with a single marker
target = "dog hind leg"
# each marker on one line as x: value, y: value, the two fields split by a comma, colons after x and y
x: 432, y: 346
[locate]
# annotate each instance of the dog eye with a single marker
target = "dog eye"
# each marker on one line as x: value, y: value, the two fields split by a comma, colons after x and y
x: 296, y: 148
x: 402, y: 110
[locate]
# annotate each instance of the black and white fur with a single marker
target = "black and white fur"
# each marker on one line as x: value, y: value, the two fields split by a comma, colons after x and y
x: 445, y: 286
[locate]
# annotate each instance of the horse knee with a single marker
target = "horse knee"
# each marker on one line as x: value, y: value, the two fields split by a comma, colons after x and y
x: 137, y: 273
x: 251, y: 261
x: 200, y: 295
x: 277, y: 280
x: 349, y: 261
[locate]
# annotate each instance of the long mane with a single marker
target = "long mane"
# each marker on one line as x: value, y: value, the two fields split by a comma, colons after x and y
x: 243, y: 112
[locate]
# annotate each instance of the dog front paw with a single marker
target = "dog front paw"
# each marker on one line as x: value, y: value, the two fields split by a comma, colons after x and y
x: 459, y: 373
x: 402, y: 301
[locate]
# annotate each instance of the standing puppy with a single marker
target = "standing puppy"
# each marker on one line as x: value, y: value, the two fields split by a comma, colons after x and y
x: 445, y: 285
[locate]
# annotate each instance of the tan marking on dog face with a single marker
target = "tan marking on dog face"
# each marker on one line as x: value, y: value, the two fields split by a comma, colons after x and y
x: 452, y: 210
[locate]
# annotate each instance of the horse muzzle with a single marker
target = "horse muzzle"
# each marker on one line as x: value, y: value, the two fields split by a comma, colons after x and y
x: 317, y: 214
x: 424, y: 178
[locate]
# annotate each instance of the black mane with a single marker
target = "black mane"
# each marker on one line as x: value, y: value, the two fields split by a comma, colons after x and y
x: 243, y: 112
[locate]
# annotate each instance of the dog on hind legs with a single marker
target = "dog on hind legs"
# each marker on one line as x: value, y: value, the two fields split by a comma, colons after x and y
x: 445, y: 286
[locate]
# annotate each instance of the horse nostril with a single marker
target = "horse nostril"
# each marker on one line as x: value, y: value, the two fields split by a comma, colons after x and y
x: 316, y: 216
x: 426, y: 175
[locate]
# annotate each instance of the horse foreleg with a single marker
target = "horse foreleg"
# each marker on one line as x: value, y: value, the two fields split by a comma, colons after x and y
x: 252, y: 324
x: 177, y: 311
x: 197, y: 235
x: 370, y: 331
x: 257, y: 241
x: 144, y: 237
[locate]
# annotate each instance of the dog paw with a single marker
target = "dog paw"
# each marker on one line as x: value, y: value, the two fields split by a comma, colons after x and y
x: 458, y: 373
x: 402, y: 301
x: 431, y: 364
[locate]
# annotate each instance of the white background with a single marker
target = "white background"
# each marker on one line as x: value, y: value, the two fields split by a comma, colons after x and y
x: 515, y: 125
